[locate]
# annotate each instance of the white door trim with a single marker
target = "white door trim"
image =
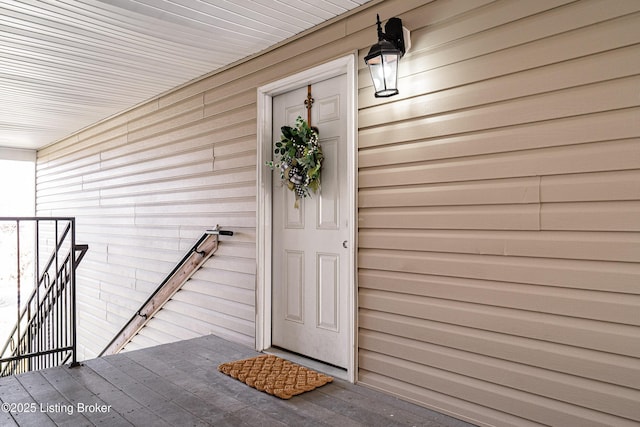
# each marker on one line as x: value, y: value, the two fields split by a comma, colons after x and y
x: 325, y: 71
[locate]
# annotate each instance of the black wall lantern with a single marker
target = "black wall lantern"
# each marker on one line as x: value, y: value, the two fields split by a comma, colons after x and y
x: 383, y: 57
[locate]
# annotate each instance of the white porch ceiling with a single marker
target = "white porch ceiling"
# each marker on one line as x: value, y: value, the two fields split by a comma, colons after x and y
x: 65, y: 64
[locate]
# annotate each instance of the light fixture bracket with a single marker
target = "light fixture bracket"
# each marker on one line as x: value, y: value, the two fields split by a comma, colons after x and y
x: 393, y: 33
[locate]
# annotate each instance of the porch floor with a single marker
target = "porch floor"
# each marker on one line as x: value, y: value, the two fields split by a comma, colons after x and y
x: 178, y: 384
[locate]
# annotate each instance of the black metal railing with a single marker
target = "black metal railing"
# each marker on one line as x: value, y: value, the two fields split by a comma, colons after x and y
x: 44, y: 334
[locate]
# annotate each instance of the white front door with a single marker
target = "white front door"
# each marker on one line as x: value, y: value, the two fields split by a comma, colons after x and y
x: 310, y: 255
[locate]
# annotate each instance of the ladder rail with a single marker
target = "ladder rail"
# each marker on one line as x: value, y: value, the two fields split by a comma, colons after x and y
x: 192, y: 261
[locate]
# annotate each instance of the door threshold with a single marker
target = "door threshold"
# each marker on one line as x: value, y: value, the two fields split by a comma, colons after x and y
x: 317, y: 365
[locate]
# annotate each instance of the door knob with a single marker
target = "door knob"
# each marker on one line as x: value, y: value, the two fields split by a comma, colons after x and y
x: 344, y: 244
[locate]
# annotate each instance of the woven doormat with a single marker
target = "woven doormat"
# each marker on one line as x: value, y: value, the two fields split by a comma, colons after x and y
x: 274, y: 375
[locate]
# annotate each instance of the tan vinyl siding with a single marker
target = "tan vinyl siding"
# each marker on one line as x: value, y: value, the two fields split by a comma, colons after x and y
x: 144, y: 186
x: 498, y: 208
x: 499, y: 211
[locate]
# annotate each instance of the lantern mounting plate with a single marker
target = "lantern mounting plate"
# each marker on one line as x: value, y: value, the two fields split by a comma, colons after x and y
x: 393, y: 33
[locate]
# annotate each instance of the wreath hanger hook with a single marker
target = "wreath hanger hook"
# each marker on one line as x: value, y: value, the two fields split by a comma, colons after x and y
x: 308, y: 103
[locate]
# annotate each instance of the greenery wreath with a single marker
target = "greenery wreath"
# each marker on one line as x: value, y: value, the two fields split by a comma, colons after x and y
x: 299, y: 159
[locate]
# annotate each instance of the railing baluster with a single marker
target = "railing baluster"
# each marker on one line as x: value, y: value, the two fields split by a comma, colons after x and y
x: 55, y: 284
x: 37, y: 279
x: 74, y: 352
x: 44, y: 334
x: 18, y: 274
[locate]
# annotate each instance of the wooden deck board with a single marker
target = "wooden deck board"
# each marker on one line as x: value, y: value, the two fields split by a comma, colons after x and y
x: 178, y: 385
x: 76, y: 393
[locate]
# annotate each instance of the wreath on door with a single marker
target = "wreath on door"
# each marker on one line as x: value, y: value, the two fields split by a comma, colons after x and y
x: 299, y: 159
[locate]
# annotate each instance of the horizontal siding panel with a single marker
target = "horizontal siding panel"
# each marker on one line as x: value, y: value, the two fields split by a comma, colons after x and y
x: 600, y: 246
x: 47, y: 153
x: 99, y: 270
x: 206, y: 180
x: 46, y: 173
x: 165, y: 115
x: 74, y: 182
x: 236, y: 204
x: 87, y: 299
x: 613, y: 338
x: 507, y: 191
x: 164, y: 163
x: 77, y: 147
x: 163, y: 332
x: 85, y: 148
x: 522, y: 29
x: 613, y: 369
x: 214, y: 105
x: 237, y: 249
x: 201, y: 128
x: 603, y: 186
x: 184, y: 119
x: 601, y: 216
x: 204, y: 321
x: 610, y: 65
x: 590, y: 394
x: 228, y: 219
x: 143, y: 341
x: 240, y: 281
x: 612, y: 125
x: 194, y: 169
x: 234, y: 264
x: 105, y: 129
x: 74, y: 205
x: 526, y: 405
x: 207, y: 194
x: 589, y: 275
x: 608, y: 307
x: 92, y: 331
x: 444, y: 403
x: 62, y: 191
x: 234, y: 161
x: 465, y: 121
x: 450, y: 23
x: 133, y: 232
x: 147, y: 261
x: 147, y: 242
x: 135, y: 346
x: 69, y: 197
x: 581, y: 100
x: 595, y: 157
x: 220, y: 305
x: 157, y: 256
x: 233, y: 116
x: 493, y: 217
x: 232, y: 293
x: 108, y: 218
x: 235, y: 146
x: 152, y: 337
x: 149, y: 154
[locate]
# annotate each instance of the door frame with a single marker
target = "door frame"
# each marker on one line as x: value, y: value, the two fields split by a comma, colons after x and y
x: 344, y: 65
